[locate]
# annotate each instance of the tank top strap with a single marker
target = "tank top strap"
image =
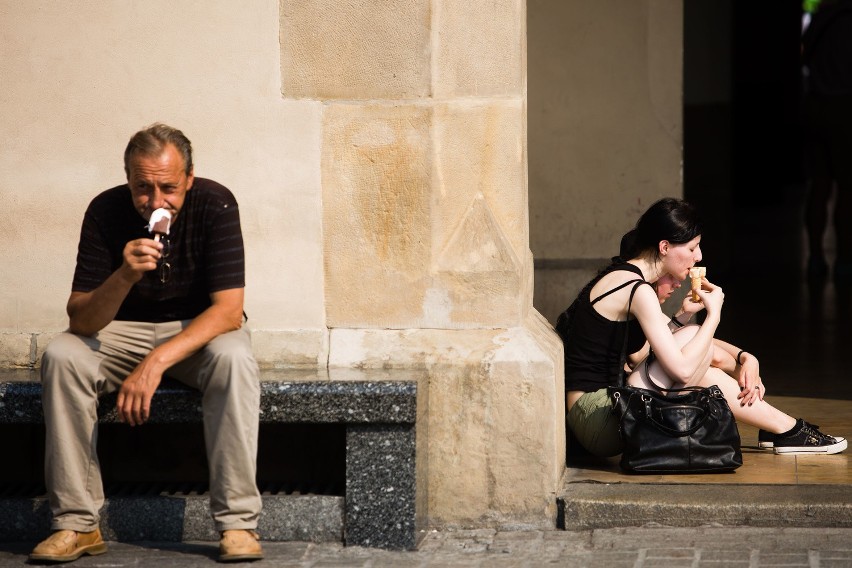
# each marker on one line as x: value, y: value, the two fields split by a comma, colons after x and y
x: 616, y: 289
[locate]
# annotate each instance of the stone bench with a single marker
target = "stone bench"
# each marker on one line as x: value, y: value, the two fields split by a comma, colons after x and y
x: 376, y: 411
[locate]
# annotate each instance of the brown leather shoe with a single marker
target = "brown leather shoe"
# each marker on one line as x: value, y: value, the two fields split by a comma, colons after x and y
x: 239, y: 545
x: 65, y: 546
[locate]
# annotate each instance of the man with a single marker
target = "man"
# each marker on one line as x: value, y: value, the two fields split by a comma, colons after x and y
x: 141, y: 308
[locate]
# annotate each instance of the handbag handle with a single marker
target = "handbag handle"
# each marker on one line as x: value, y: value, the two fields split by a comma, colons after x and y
x: 671, y: 431
x: 713, y: 392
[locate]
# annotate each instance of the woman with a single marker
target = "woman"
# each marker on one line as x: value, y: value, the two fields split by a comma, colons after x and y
x: 666, y: 241
x: 737, y: 373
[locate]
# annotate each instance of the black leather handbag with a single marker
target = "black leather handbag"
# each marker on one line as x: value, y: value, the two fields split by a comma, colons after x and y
x: 691, y: 432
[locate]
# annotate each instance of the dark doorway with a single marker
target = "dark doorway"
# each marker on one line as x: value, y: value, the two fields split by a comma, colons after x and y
x: 743, y: 167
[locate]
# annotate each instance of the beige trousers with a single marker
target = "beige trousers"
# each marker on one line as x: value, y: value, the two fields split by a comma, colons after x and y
x: 76, y: 370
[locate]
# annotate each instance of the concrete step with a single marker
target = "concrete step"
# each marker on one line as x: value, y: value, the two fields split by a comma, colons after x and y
x: 168, y: 518
x: 585, y: 506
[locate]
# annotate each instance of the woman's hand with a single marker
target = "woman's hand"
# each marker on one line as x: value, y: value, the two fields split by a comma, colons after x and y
x: 712, y: 297
x: 751, y: 386
x: 690, y: 307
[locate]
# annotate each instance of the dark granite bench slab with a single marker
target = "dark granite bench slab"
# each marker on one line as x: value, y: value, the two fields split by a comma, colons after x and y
x: 378, y: 411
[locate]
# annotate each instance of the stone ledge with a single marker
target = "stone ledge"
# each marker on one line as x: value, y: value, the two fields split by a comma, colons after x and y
x: 317, y: 400
x: 589, y: 506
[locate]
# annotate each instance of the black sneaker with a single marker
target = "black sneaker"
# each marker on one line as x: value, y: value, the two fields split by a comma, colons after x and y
x: 807, y: 439
x: 766, y: 440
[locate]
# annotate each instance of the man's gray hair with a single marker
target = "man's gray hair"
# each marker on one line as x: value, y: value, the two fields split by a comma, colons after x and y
x: 151, y: 141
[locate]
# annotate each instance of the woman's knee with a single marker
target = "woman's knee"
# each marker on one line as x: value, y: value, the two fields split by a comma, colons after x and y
x: 650, y: 376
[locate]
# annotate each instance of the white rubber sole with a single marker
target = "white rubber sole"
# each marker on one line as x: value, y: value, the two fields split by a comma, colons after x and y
x: 832, y: 449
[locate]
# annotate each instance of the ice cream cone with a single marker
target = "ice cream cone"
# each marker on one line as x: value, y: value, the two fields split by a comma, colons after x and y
x: 696, y: 273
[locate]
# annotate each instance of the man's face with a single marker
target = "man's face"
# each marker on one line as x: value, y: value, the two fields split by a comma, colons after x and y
x: 666, y: 286
x: 159, y: 181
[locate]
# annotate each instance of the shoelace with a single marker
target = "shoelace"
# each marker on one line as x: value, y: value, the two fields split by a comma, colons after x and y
x: 811, y: 431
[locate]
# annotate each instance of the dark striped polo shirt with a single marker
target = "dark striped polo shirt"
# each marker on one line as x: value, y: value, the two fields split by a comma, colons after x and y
x: 205, y: 252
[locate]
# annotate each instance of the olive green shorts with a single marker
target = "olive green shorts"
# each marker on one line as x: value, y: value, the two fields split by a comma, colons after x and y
x: 594, y: 425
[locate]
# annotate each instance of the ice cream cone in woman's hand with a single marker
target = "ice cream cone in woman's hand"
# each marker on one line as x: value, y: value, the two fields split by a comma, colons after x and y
x: 696, y: 273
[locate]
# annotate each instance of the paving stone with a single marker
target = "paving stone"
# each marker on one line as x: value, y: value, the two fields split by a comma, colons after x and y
x: 635, y: 548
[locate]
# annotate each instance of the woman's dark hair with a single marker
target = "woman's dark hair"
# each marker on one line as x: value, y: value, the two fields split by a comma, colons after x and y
x: 668, y: 219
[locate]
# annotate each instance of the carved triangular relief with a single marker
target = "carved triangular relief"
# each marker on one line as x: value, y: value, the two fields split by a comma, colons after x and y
x: 478, y: 244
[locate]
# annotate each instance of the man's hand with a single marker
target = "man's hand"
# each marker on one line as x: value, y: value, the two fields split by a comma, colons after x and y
x: 224, y: 315
x: 140, y: 256
x: 134, y: 397
x: 90, y: 312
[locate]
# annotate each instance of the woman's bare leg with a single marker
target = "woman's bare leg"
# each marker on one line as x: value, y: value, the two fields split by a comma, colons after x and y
x: 682, y: 336
x: 761, y: 414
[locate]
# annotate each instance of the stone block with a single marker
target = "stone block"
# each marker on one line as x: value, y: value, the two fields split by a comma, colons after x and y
x: 481, y: 48
x: 377, y: 229
x: 41, y: 342
x: 360, y: 49
x: 281, y: 213
x: 16, y: 349
x: 380, y: 486
x: 496, y: 424
x: 480, y: 219
x: 482, y: 154
x: 416, y: 349
x: 298, y: 348
x: 445, y: 238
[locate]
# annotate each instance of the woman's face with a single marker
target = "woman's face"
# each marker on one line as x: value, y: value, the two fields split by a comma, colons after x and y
x: 678, y: 259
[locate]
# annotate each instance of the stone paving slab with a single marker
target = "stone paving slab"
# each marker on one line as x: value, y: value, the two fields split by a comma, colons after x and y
x: 637, y: 547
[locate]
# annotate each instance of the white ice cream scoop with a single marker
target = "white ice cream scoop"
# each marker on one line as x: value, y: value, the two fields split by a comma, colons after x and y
x: 159, y: 223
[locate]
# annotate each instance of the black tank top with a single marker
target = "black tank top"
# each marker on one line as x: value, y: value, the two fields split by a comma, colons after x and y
x: 593, y: 349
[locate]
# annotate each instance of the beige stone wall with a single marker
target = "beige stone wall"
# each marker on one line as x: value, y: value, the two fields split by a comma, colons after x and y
x: 378, y: 151
x: 78, y: 80
x: 605, y: 130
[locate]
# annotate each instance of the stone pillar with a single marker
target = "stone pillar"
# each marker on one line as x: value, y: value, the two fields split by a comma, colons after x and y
x: 426, y: 240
